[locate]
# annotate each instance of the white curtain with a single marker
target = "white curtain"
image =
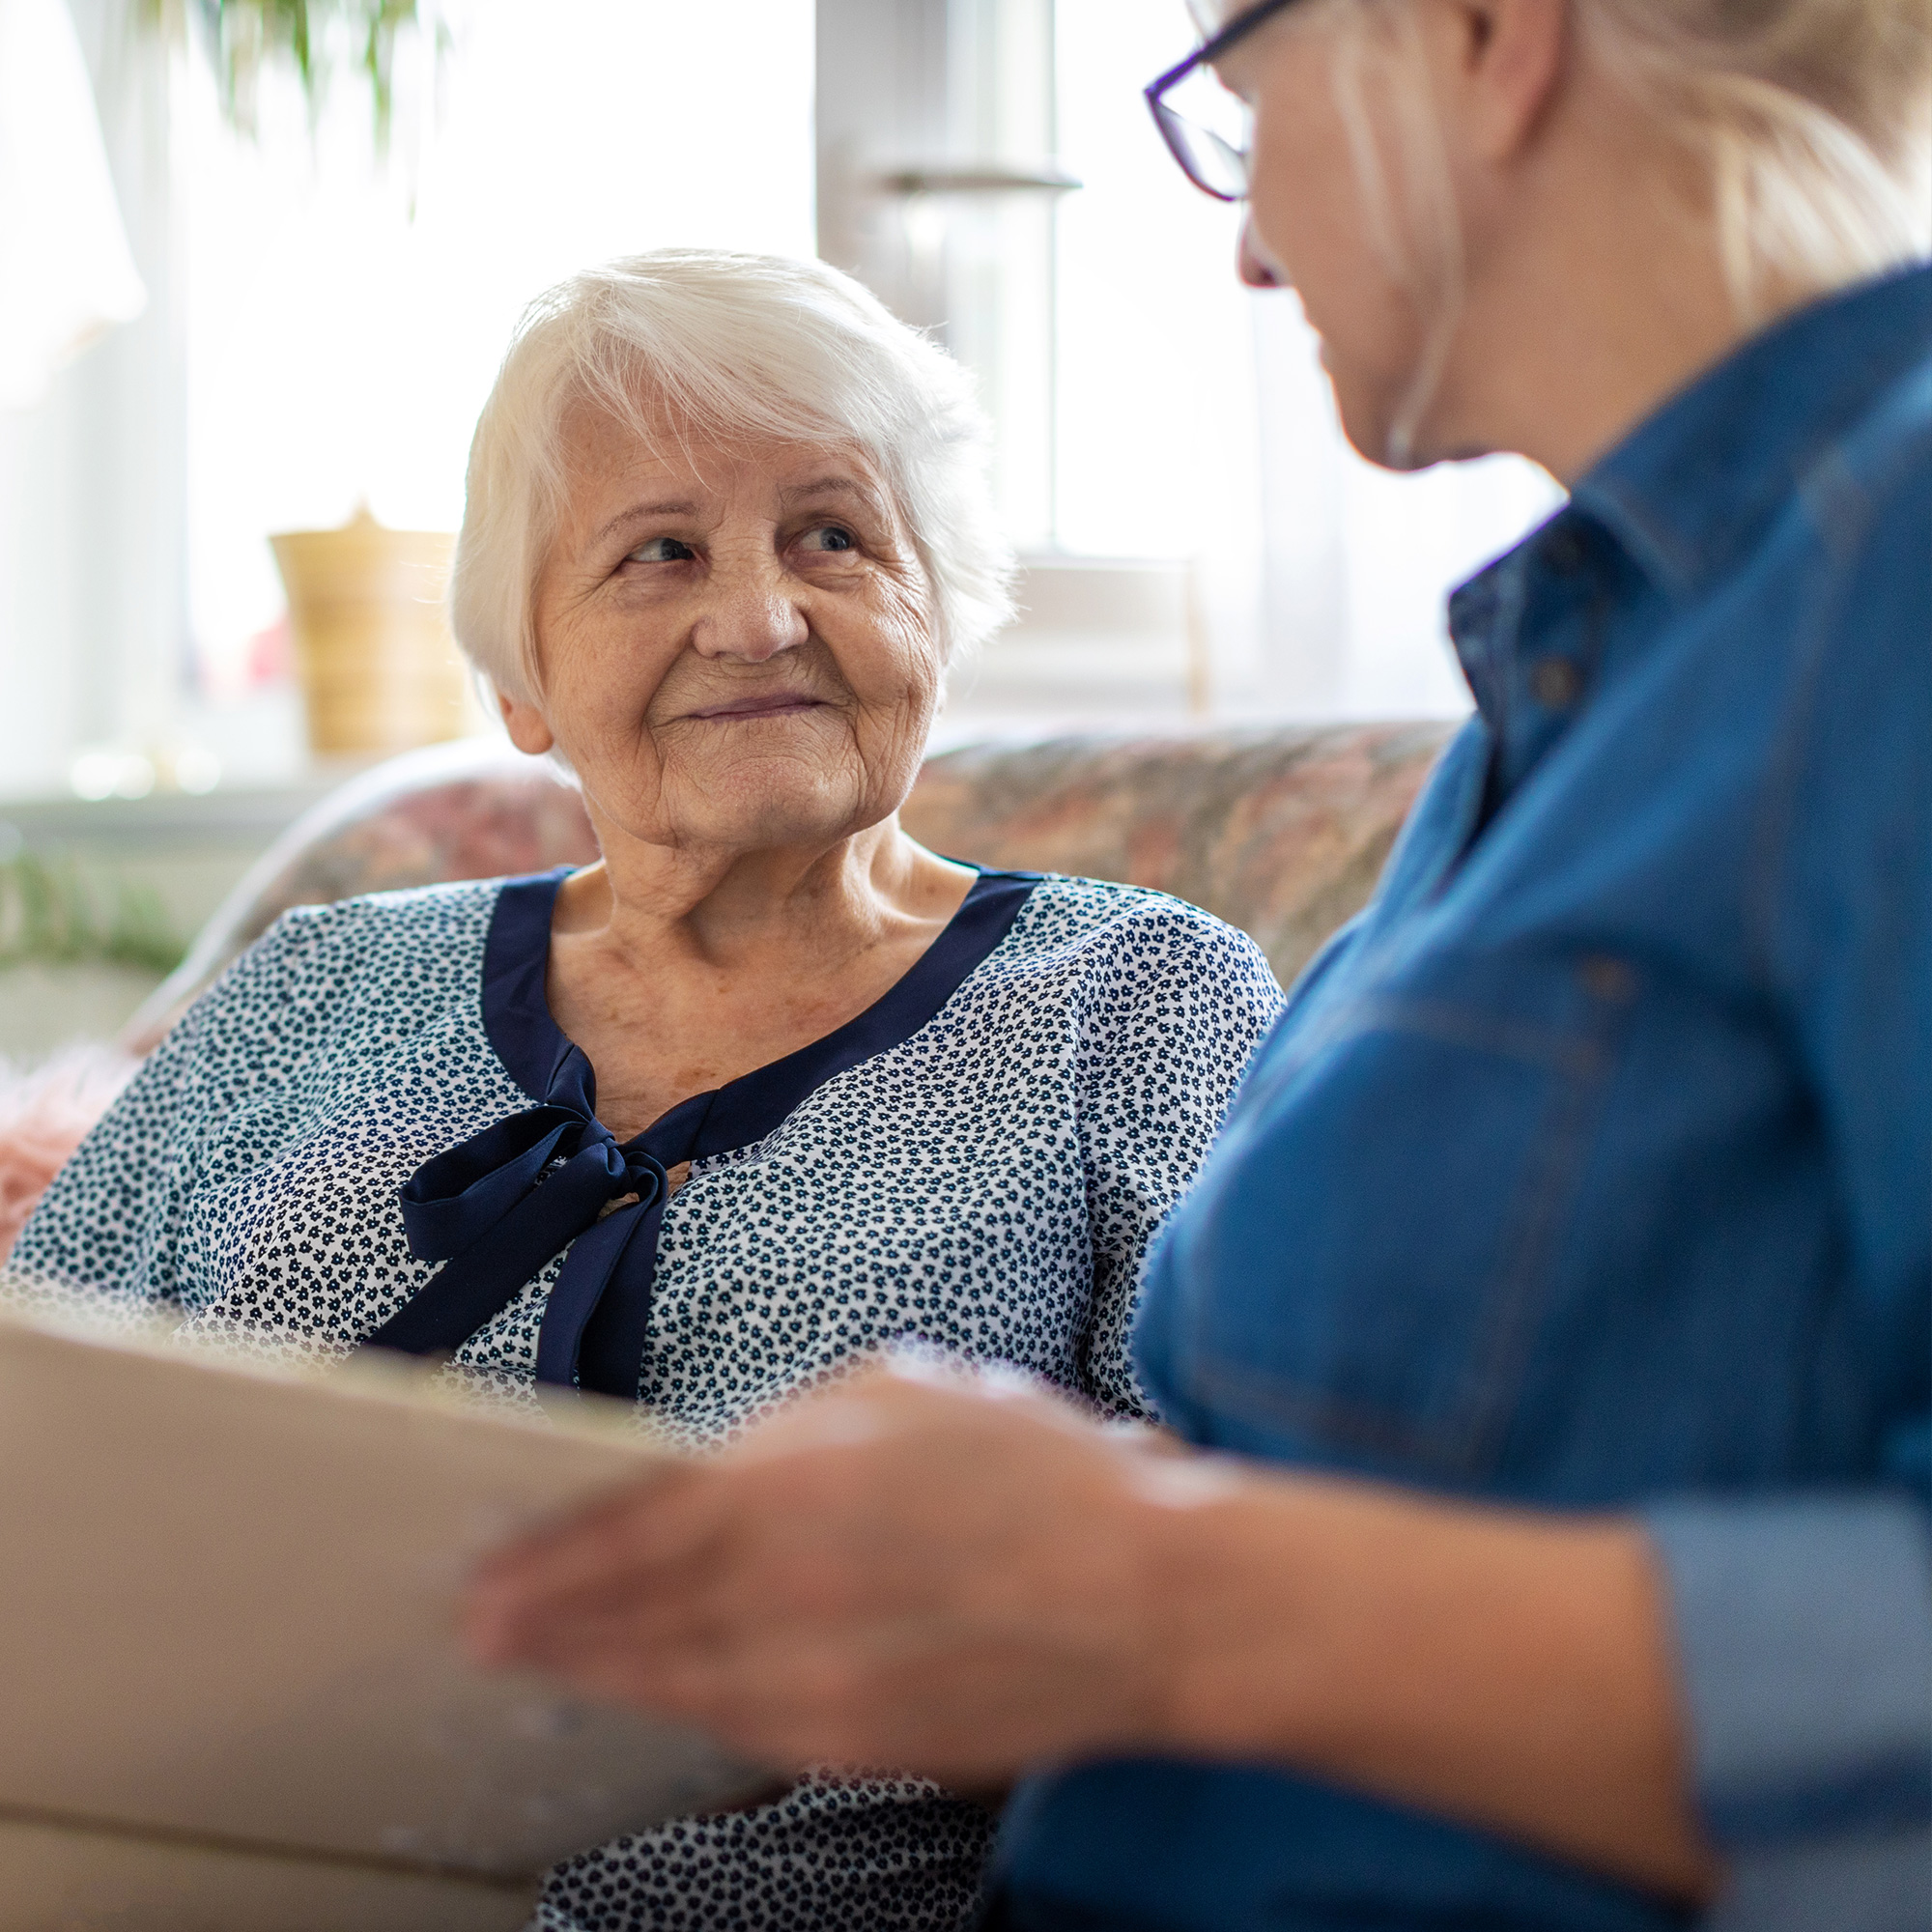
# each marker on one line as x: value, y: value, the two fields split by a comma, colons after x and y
x: 319, y: 330
x: 345, y: 321
x: 1356, y: 563
x: 66, y: 272
x: 1196, y: 422
x: 92, y: 528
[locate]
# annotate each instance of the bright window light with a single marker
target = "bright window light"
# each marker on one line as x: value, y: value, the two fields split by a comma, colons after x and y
x: 1152, y: 319
x: 339, y: 347
x: 1193, y: 422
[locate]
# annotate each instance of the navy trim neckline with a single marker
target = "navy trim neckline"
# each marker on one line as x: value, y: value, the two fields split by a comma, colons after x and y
x: 548, y: 1065
x: 496, y: 1208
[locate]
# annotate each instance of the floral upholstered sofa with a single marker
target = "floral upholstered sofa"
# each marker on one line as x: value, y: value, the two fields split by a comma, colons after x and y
x: 1280, y: 831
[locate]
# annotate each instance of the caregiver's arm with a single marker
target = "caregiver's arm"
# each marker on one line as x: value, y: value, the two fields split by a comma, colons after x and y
x: 970, y: 1582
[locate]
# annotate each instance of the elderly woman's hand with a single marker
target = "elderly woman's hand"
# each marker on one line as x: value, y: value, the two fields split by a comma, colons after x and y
x: 924, y: 1569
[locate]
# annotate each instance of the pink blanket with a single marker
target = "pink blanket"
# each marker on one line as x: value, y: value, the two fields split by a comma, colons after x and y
x: 44, y: 1111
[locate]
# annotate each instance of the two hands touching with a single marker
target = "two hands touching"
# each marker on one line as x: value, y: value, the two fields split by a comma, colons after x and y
x: 961, y: 1574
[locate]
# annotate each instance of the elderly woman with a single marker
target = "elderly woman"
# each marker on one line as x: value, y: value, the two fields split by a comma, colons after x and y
x: 767, y: 1086
x: 1552, y: 1319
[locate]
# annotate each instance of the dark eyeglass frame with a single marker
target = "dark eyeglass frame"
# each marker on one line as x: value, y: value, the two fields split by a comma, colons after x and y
x: 1176, y: 129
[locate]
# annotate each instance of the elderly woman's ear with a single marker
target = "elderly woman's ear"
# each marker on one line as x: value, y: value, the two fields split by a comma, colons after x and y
x: 529, y: 730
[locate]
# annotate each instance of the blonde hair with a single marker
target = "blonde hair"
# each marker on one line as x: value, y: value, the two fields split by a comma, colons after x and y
x: 697, y: 342
x: 1812, y: 119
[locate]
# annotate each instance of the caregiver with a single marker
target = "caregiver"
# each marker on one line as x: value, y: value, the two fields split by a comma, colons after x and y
x: 1556, y: 1302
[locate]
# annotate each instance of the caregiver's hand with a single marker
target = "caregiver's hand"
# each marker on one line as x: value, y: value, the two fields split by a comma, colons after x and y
x: 950, y: 1573
x: 914, y: 1567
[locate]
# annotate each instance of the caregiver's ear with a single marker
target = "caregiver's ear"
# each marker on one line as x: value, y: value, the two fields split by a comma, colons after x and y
x: 526, y: 724
x: 1505, y: 63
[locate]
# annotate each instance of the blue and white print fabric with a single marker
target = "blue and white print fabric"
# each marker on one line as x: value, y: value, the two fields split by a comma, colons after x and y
x: 987, y: 1185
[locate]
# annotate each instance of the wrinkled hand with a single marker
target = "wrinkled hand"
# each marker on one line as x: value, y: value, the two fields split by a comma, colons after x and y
x: 934, y: 1570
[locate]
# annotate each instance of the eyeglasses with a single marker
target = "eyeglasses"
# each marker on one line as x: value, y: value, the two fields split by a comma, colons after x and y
x: 1215, y: 164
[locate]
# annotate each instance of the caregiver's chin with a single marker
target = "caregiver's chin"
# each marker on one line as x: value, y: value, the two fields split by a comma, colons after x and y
x: 1500, y: 278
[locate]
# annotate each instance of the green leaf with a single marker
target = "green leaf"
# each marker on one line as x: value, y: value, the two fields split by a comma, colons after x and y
x: 243, y: 36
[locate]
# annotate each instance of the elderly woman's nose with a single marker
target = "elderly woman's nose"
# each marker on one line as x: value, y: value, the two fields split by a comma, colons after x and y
x: 749, y: 616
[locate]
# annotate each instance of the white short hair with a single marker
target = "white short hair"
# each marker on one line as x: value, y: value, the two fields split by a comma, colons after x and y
x: 687, y: 341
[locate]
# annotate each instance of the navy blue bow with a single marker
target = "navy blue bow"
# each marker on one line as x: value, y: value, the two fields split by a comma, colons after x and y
x: 495, y: 1207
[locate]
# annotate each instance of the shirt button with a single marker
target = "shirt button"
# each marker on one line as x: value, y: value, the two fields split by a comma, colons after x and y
x: 1556, y: 683
x: 1564, y: 551
x: 1606, y: 977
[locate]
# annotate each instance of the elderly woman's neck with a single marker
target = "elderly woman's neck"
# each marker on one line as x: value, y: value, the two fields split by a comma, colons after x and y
x: 721, y: 909
x: 678, y: 970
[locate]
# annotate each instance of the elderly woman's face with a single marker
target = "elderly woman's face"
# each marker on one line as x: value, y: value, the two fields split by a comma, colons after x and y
x: 736, y: 641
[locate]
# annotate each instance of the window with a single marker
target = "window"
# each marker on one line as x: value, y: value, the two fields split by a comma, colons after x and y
x: 1167, y: 443
x: 321, y: 331
x: 345, y: 322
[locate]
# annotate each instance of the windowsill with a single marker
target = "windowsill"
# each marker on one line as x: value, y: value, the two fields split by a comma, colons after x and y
x: 177, y: 856
x: 249, y: 814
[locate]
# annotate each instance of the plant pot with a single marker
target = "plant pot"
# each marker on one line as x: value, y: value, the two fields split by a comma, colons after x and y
x: 378, y: 669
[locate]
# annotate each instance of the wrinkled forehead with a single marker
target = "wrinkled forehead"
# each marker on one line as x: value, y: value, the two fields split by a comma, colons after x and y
x: 606, y: 452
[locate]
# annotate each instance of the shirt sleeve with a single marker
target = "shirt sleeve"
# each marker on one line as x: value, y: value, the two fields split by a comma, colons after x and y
x: 1877, y: 1882
x: 1179, y: 1003
x: 107, y: 1224
x: 1804, y: 1634
x: 1803, y: 1620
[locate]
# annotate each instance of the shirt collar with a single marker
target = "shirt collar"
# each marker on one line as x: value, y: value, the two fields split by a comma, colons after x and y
x: 1683, y: 493
x: 1688, y: 489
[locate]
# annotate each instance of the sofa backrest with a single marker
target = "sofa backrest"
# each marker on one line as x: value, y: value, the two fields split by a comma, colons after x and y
x: 1279, y: 831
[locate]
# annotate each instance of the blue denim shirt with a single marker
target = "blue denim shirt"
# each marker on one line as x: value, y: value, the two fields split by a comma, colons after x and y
x: 1591, y: 1167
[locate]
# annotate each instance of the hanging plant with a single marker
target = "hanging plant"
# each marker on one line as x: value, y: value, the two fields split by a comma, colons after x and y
x: 242, y: 37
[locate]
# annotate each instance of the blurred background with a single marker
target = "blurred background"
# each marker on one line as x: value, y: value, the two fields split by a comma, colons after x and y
x: 258, y: 261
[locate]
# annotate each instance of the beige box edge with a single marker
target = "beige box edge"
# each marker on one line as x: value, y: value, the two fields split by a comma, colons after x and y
x: 69, y: 1878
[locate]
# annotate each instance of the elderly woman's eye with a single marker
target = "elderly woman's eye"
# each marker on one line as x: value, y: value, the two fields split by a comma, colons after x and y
x: 662, y: 549
x: 829, y: 536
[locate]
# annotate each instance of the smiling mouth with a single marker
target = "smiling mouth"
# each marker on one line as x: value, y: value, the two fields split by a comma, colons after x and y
x: 771, y: 704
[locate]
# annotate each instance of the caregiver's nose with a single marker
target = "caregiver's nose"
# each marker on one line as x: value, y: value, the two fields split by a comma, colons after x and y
x: 1256, y: 272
